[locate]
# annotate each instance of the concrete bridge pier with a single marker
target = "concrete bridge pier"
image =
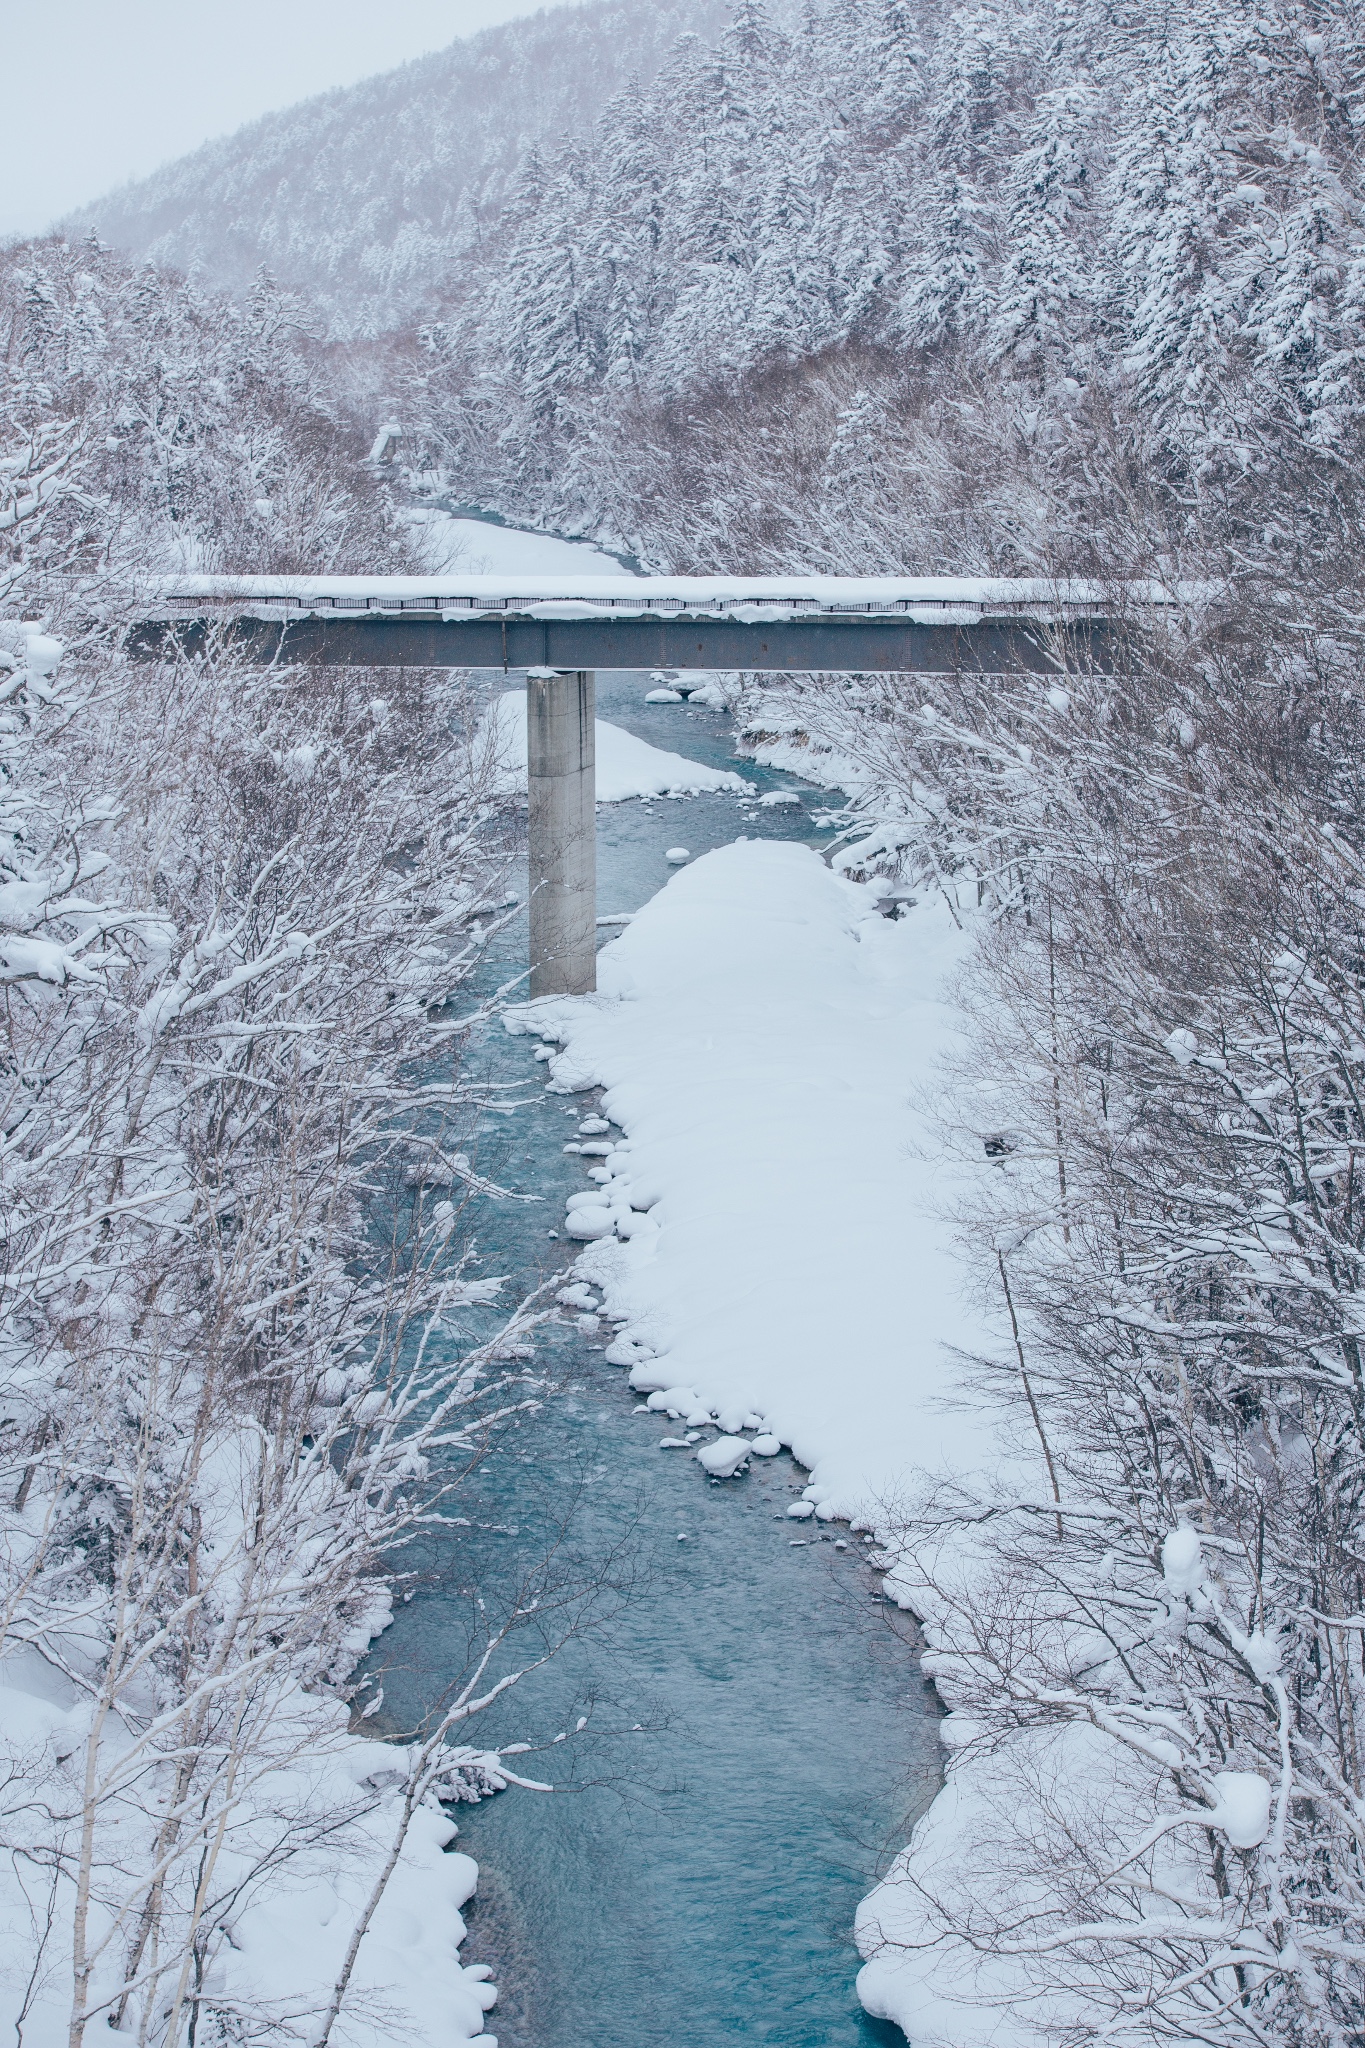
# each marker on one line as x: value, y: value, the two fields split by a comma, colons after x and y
x: 561, y: 764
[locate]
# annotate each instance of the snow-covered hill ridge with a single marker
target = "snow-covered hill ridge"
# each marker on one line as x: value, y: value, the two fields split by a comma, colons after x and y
x: 363, y: 197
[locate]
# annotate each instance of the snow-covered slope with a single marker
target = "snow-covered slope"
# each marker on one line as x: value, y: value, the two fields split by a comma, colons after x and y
x: 363, y: 196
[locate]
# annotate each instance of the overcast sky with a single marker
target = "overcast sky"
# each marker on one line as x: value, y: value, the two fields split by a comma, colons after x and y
x: 99, y: 91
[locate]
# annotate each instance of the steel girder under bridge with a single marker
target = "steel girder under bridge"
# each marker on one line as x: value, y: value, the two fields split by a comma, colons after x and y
x: 562, y: 629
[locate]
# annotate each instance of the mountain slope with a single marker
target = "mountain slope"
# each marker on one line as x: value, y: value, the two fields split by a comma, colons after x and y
x: 363, y: 197
x: 885, y: 287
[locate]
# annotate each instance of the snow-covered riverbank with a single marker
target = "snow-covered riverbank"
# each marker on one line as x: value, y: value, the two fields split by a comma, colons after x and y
x: 204, y: 1494
x: 626, y: 766
x: 761, y: 1031
x: 288, y: 1930
x: 774, y: 1241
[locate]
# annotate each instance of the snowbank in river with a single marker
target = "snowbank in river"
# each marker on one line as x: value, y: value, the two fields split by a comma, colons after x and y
x: 760, y: 1031
x: 626, y: 767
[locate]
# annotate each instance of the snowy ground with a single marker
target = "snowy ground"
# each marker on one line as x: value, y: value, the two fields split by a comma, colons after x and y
x: 288, y: 1931
x: 626, y: 766
x: 771, y: 1233
x: 760, y: 1029
x: 476, y: 547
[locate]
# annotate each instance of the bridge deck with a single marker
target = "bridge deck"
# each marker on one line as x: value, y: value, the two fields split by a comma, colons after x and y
x: 932, y: 624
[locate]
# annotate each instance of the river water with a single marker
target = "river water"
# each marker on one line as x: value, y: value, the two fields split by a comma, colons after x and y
x: 758, y: 1739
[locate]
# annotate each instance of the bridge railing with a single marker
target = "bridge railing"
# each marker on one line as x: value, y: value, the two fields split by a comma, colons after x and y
x: 928, y: 600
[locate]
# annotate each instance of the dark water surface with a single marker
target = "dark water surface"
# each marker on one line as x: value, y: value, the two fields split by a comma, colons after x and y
x: 758, y: 1736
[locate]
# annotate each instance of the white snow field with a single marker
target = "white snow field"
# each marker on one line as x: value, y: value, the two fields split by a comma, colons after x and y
x: 773, y: 1238
x: 626, y: 767
x: 760, y: 1029
x: 289, y: 1929
x: 476, y: 547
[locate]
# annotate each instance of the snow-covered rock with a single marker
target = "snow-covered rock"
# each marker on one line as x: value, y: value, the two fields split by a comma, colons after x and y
x: 723, y: 1458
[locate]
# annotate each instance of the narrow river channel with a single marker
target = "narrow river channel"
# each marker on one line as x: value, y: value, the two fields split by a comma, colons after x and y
x: 694, y: 1882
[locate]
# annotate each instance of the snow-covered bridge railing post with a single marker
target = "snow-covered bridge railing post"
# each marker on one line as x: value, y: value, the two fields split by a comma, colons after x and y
x: 560, y: 631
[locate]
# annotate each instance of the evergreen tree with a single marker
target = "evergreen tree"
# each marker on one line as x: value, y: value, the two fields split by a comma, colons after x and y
x: 951, y: 259
x: 1046, y: 297
x: 627, y: 233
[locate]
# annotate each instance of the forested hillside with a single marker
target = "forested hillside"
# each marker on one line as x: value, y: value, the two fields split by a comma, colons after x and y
x: 857, y: 285
x: 882, y: 290
x: 155, y: 425
x: 373, y: 197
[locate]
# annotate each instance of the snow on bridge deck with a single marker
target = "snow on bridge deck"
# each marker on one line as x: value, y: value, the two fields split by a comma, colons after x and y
x: 927, y: 623
x: 928, y: 599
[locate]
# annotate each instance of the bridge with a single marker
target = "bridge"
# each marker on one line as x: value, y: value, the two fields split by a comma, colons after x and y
x: 929, y: 625
x: 561, y: 630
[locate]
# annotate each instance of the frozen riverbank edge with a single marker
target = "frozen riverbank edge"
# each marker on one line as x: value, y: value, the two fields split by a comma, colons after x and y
x: 308, y: 1840
x: 773, y: 1242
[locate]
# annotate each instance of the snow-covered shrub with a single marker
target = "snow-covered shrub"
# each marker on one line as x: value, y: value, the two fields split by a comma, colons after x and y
x: 231, y: 905
x: 1156, y: 1651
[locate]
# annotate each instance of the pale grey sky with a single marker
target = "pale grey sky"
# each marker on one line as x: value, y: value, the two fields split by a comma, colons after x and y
x: 99, y: 91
